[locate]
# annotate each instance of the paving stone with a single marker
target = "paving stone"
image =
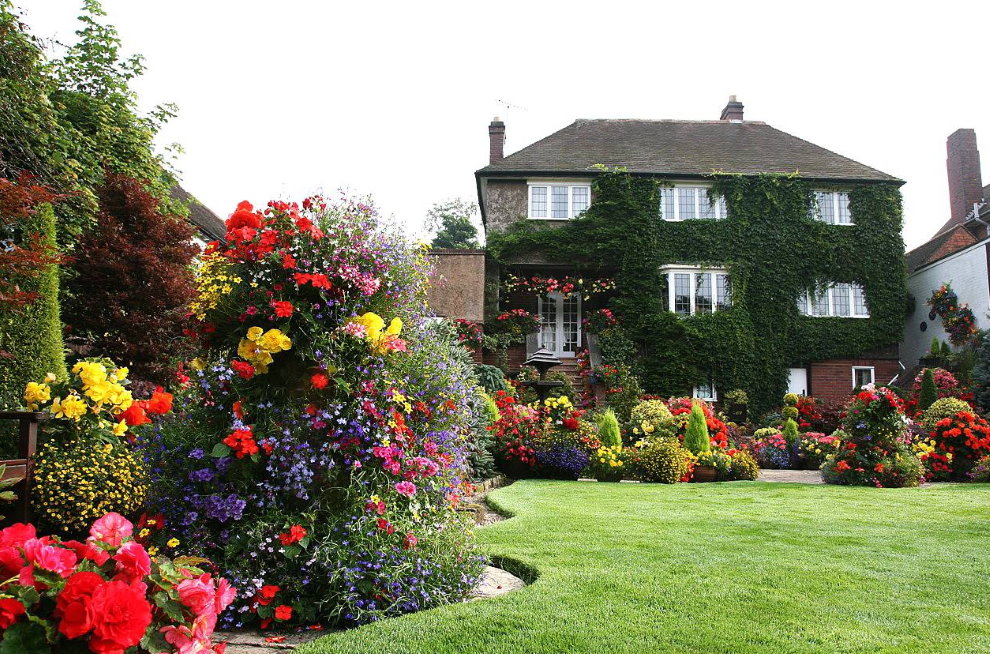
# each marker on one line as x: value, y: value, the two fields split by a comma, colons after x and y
x: 791, y: 476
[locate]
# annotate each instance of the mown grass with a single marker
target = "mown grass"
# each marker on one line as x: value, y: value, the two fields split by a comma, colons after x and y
x: 739, y: 567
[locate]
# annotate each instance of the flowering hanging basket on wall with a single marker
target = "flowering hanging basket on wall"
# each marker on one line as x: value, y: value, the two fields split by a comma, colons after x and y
x: 957, y: 318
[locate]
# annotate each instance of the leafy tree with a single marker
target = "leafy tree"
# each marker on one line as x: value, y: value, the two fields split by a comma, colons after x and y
x: 69, y: 120
x: 454, y: 225
x: 790, y: 431
x: 696, y: 436
x: 929, y: 392
x: 134, y: 281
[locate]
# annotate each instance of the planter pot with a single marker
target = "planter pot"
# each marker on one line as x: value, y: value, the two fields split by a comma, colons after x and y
x: 703, y: 474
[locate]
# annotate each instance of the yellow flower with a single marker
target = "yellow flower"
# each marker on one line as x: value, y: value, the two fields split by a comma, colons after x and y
x: 152, y: 551
x: 90, y: 372
x: 144, y: 533
x: 120, y: 428
x: 275, y: 341
x: 197, y: 364
x: 373, y: 325
x: 254, y: 333
x: 50, y: 378
x: 99, y: 391
x: 173, y: 542
x: 120, y: 397
x: 35, y: 393
x: 120, y: 374
x: 71, y: 407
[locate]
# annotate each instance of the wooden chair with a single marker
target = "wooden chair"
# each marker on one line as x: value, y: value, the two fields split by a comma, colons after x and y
x: 21, y: 469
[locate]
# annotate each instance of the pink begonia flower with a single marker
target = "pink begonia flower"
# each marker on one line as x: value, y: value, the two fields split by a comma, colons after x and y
x: 199, y: 595
x: 225, y: 595
x: 406, y: 488
x: 133, y: 562
x: 51, y: 558
x: 111, y: 529
x: 16, y: 535
x: 191, y: 641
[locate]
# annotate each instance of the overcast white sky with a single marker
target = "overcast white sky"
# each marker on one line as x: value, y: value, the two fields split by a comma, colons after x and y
x: 280, y: 99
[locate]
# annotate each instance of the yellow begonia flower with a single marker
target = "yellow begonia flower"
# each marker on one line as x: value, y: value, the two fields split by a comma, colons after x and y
x: 120, y: 374
x: 90, y: 372
x: 99, y: 391
x: 50, y: 378
x: 71, y: 407
x: 254, y: 333
x: 120, y: 428
x: 275, y: 341
x: 34, y: 393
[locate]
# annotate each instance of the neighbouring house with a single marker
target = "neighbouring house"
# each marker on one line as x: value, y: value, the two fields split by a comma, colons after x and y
x: 958, y: 254
x: 209, y: 225
x: 832, y: 324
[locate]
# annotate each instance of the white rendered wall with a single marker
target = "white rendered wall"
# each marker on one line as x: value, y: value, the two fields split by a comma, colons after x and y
x: 966, y: 272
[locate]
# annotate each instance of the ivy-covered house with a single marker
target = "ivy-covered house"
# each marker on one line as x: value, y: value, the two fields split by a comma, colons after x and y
x: 730, y: 254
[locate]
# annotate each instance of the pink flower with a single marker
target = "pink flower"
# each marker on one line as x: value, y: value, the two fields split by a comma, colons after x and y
x: 49, y: 557
x: 191, y: 641
x: 225, y: 594
x: 406, y: 488
x: 16, y: 535
x: 111, y: 529
x: 133, y: 562
x: 198, y: 594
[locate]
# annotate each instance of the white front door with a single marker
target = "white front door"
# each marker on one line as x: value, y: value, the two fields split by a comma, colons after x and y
x: 560, y: 323
x: 798, y: 381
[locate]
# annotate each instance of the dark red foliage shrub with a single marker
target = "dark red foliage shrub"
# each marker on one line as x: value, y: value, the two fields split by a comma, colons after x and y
x: 133, y: 282
x: 23, y: 254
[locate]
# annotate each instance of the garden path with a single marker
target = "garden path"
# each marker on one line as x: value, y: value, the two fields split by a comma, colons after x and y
x: 791, y: 476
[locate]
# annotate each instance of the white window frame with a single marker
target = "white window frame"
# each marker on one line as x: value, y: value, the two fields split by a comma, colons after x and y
x: 548, y: 184
x: 712, y: 273
x: 713, y: 398
x: 836, y: 196
x: 873, y: 375
x: 830, y: 301
x: 720, y: 209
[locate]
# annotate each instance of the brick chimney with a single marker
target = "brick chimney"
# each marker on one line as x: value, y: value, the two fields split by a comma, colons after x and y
x: 733, y: 110
x: 965, y: 181
x: 496, y: 138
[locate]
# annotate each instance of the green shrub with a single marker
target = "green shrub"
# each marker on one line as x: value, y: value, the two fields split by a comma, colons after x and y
x: 623, y: 392
x: 662, y: 461
x: 609, y: 432
x: 929, y: 392
x: 789, y: 412
x: 790, y: 399
x: 78, y: 481
x: 940, y: 409
x: 490, y: 378
x: 790, y: 431
x: 32, y: 335
x: 696, y: 438
x: 608, y: 463
x: 744, y: 467
x: 652, y: 419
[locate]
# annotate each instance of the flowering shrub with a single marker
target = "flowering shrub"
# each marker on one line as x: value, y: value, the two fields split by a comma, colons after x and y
x: 718, y: 459
x: 468, y: 332
x: 873, y: 450
x: 981, y: 471
x: 771, y: 449
x: 957, y: 443
x: 681, y: 407
x: 744, y: 466
x: 809, y: 414
x: 104, y: 595
x: 88, y: 468
x: 607, y: 463
x: 940, y: 409
x: 663, y: 461
x: 326, y: 431
x: 957, y: 317
x: 597, y: 321
x: 652, y: 419
x: 517, y: 321
x: 814, y: 447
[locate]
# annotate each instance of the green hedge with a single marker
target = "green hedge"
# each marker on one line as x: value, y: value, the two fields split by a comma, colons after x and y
x: 32, y: 335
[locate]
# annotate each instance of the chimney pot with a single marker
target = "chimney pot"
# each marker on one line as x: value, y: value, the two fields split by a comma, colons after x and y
x: 496, y: 140
x: 733, y: 111
x: 962, y: 163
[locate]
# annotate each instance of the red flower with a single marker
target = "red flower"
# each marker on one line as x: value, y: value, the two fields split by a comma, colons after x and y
x: 571, y: 423
x: 121, y: 614
x: 295, y: 534
x: 319, y: 380
x: 244, y: 216
x: 133, y: 562
x: 243, y: 369
x: 409, y: 541
x: 72, y: 606
x: 282, y: 309
x: 841, y: 466
x: 283, y: 612
x: 267, y: 594
x: 135, y: 415
x: 242, y: 443
x: 288, y: 261
x: 10, y: 610
x: 160, y: 402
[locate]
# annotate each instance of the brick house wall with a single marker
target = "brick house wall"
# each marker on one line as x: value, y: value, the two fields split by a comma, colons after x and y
x: 833, y: 380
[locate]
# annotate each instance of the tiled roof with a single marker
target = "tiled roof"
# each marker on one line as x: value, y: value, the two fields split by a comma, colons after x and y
x: 208, y: 222
x: 676, y: 147
x: 940, y: 246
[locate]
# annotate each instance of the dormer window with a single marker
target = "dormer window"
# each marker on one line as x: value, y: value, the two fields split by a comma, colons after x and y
x: 558, y: 201
x: 683, y: 202
x: 838, y: 300
x: 832, y: 207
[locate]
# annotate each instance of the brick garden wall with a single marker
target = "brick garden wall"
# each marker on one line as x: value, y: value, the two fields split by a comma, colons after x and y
x: 832, y: 380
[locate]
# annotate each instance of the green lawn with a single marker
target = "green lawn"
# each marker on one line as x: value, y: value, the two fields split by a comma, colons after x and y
x: 738, y: 567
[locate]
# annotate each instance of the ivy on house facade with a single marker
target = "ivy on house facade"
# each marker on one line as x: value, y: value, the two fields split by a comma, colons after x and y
x: 773, y: 249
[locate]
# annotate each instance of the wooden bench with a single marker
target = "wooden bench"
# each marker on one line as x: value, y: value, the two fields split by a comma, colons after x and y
x: 21, y: 469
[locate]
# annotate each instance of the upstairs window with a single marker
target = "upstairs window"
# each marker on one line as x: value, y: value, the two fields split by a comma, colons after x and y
x: 838, y: 300
x: 832, y: 207
x: 549, y: 201
x: 692, y: 291
x: 689, y: 202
